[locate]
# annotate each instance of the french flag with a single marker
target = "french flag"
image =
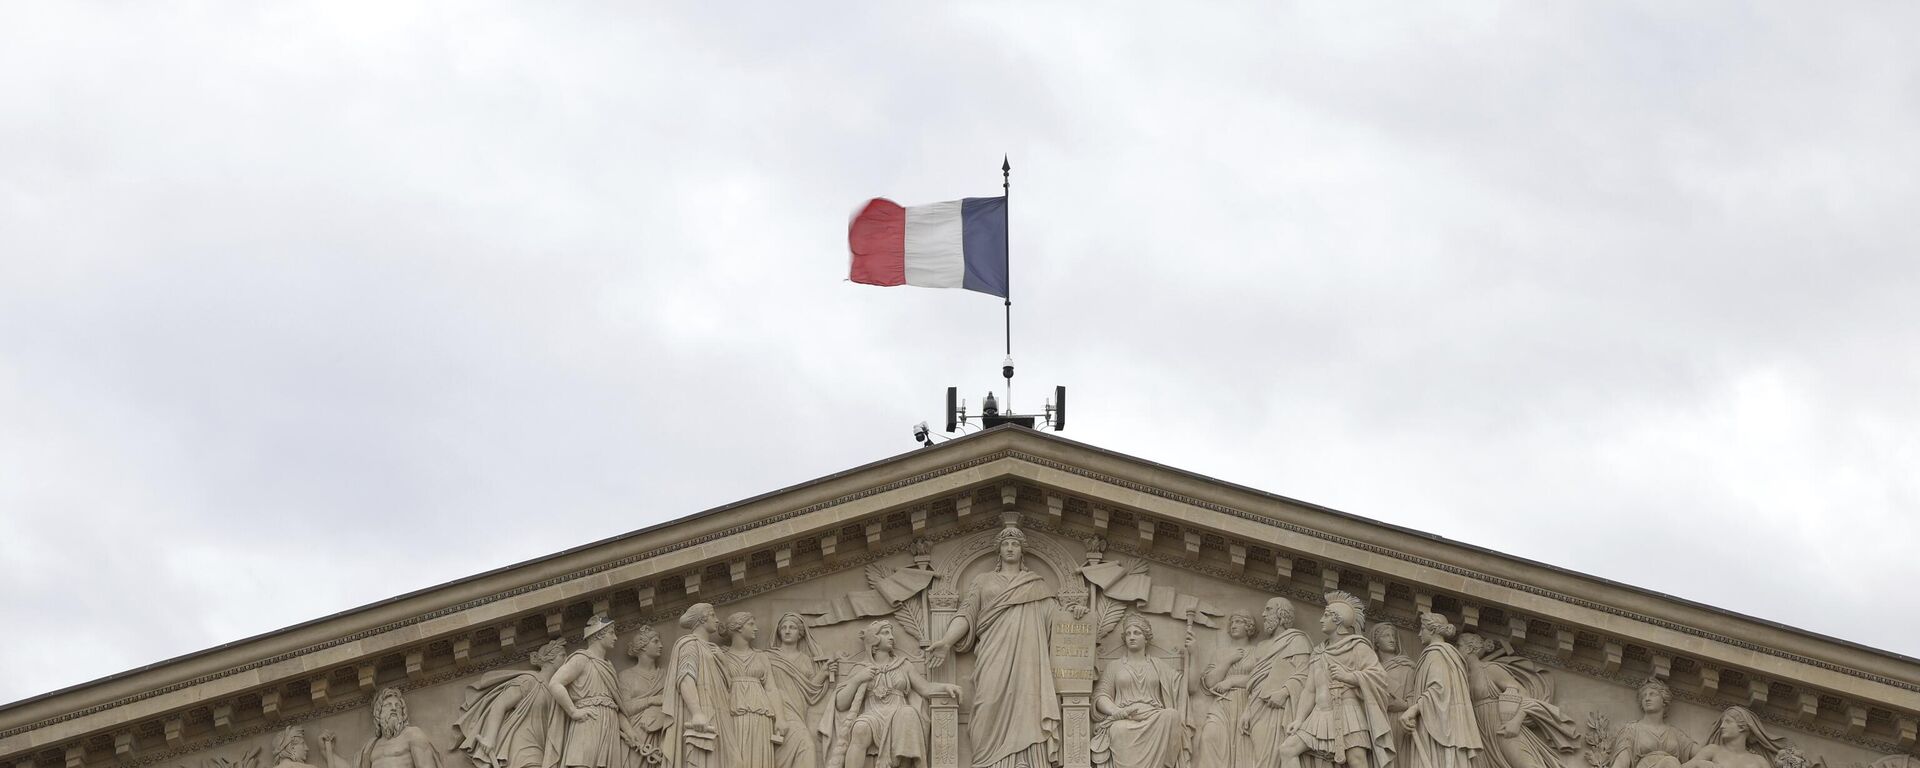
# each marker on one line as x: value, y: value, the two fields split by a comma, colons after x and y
x: 955, y: 244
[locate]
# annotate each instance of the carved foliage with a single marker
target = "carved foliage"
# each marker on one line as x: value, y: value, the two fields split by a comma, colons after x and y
x: 1598, y: 737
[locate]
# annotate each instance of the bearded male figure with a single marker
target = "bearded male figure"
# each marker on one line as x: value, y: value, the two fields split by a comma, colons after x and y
x: 1281, y: 653
x: 395, y: 743
x: 1006, y: 619
x: 1342, y: 711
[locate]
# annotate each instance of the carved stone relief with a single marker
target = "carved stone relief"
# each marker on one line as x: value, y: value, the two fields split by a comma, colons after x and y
x: 396, y: 742
x: 1438, y: 728
x: 1012, y: 646
x: 1520, y: 727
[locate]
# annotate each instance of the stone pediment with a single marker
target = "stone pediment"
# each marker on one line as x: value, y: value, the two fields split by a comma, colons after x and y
x: 1111, y: 545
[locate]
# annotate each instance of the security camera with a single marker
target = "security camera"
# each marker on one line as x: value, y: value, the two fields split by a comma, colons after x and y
x: 921, y: 434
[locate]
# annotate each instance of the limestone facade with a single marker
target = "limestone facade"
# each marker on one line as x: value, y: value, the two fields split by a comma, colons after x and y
x: 1007, y: 599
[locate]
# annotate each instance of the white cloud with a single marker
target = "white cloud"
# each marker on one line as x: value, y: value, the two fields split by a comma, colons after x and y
x: 290, y: 293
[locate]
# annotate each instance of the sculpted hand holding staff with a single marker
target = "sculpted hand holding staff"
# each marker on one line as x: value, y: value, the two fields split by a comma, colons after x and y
x: 1006, y: 619
x: 1343, y: 710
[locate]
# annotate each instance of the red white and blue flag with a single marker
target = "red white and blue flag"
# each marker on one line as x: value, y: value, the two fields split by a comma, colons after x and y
x: 954, y: 244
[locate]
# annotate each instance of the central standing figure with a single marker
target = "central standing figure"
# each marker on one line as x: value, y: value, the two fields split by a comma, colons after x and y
x: 1006, y: 619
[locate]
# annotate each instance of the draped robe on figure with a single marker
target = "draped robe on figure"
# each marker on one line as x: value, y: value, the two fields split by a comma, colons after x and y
x: 596, y: 741
x: 1220, y: 744
x: 1654, y: 745
x: 1278, y: 660
x: 1400, y: 681
x: 1340, y: 716
x: 698, y: 660
x: 1015, y: 714
x: 646, y: 721
x: 747, y: 732
x: 1527, y: 692
x: 1446, y: 734
x: 521, y: 734
x: 796, y: 689
x: 1157, y: 741
x: 891, y: 710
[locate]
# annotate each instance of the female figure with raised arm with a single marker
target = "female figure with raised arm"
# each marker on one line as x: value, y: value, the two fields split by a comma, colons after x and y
x: 1006, y: 620
x: 1142, y: 704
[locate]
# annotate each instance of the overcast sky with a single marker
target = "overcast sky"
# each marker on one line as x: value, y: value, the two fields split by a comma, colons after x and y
x: 303, y: 306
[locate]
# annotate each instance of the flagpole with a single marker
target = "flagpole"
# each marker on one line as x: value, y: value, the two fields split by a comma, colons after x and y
x: 1006, y: 191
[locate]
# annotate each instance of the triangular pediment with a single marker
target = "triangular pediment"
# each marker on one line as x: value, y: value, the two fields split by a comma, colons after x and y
x: 902, y: 538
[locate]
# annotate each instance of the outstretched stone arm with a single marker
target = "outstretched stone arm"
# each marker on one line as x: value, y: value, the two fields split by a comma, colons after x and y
x: 956, y: 629
x: 929, y: 689
x: 326, y: 749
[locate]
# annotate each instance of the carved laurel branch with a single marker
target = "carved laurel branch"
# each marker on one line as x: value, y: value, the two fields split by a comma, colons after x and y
x: 1599, y: 734
x: 909, y: 615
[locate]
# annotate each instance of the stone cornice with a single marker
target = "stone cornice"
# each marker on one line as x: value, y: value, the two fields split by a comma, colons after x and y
x: 962, y: 467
